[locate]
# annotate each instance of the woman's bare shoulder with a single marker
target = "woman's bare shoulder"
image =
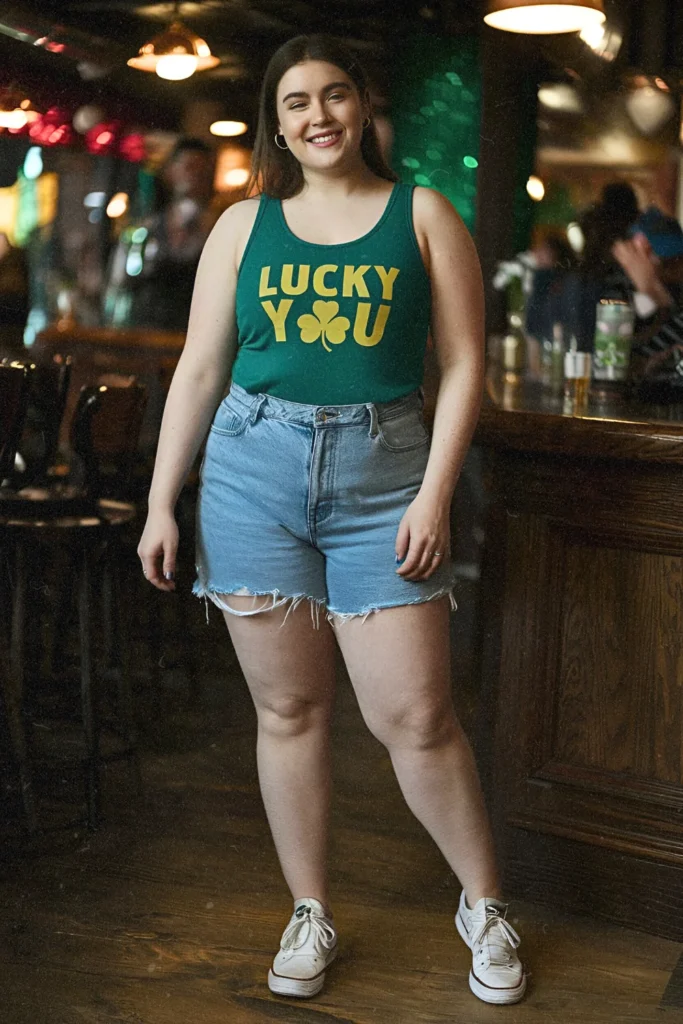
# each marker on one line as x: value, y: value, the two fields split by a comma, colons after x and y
x: 233, y: 227
x: 432, y: 208
x: 238, y: 217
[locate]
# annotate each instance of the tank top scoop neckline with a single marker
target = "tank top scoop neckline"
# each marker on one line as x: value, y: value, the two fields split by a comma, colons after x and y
x: 391, y: 199
x: 332, y: 323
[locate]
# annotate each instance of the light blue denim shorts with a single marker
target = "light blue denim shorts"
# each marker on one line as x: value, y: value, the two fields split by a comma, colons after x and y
x: 304, y: 502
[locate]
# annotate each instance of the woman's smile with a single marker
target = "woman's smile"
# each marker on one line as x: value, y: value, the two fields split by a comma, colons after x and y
x: 321, y: 140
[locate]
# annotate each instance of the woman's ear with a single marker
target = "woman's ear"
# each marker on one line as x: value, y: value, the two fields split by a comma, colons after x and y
x: 367, y: 104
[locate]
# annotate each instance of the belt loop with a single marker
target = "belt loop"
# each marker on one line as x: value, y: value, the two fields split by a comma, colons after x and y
x: 374, y: 419
x: 255, y: 406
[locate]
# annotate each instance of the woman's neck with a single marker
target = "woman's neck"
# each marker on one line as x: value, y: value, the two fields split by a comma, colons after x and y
x: 330, y: 186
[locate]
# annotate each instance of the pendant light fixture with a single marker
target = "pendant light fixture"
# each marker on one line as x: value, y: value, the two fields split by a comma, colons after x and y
x: 175, y: 54
x: 537, y: 17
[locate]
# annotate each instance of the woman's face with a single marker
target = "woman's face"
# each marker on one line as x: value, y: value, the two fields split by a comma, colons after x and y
x: 320, y: 113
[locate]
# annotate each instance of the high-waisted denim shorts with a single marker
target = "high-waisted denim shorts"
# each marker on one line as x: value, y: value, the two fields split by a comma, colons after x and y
x: 304, y: 502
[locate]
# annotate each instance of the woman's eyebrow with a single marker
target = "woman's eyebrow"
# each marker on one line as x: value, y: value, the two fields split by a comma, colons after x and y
x: 304, y: 95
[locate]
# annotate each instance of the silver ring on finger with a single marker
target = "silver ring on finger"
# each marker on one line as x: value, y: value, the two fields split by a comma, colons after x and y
x: 436, y: 554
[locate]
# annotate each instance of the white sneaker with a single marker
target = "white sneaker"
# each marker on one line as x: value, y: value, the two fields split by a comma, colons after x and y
x: 497, y: 975
x: 308, y: 946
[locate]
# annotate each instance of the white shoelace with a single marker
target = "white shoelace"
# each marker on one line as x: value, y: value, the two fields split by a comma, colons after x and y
x: 305, y: 926
x: 498, y: 950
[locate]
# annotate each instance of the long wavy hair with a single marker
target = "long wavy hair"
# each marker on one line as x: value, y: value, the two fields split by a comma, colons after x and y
x: 276, y: 171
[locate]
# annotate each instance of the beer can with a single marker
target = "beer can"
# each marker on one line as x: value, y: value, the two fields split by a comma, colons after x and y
x: 614, y: 322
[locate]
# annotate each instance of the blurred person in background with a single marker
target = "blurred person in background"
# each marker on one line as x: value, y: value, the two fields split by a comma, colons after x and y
x: 547, y: 304
x: 599, y: 274
x: 161, y: 288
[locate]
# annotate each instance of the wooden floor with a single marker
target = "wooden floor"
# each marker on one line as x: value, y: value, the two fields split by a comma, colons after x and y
x: 171, y: 914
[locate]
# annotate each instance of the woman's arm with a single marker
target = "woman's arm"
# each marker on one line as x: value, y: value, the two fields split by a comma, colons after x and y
x: 458, y: 335
x: 457, y: 325
x: 198, y: 384
x: 636, y: 259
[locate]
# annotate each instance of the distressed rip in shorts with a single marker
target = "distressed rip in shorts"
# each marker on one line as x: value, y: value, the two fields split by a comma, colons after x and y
x: 303, y: 502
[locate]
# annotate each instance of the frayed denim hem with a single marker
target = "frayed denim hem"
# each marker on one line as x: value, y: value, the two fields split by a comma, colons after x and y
x: 342, y: 617
x: 280, y: 600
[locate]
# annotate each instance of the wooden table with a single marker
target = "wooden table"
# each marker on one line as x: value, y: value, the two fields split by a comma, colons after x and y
x: 581, y: 645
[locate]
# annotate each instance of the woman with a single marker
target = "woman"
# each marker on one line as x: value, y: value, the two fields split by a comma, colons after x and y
x: 320, y: 488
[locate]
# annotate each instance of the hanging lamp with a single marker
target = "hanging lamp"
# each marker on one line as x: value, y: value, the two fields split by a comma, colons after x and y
x: 175, y: 54
x: 537, y: 17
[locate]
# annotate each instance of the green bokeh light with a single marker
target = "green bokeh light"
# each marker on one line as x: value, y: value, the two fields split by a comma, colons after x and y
x: 436, y: 114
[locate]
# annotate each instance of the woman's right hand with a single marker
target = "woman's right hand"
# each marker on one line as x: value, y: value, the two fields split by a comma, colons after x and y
x: 158, y: 548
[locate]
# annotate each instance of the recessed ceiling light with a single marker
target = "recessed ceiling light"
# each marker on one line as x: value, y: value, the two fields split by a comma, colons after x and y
x: 227, y: 128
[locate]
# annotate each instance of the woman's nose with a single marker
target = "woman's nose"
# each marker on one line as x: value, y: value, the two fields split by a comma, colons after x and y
x: 319, y: 113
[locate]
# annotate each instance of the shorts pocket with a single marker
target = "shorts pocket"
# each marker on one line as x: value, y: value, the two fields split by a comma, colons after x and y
x: 404, y: 432
x: 231, y: 418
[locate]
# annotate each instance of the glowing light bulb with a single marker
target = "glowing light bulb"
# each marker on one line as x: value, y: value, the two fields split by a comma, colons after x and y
x: 14, y: 119
x: 118, y: 204
x: 236, y: 177
x: 176, y: 66
x: 226, y: 128
x: 575, y: 236
x: 535, y: 188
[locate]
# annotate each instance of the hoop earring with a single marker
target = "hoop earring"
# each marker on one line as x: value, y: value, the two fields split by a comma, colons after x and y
x: 277, y: 136
x: 367, y: 122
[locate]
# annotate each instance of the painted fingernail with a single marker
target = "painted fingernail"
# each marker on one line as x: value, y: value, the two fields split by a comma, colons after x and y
x: 168, y: 575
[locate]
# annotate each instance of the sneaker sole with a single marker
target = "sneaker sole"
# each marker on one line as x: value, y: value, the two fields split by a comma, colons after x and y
x: 499, y: 996
x: 298, y: 988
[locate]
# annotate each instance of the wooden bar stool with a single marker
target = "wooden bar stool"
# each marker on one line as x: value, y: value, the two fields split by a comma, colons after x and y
x: 13, y: 399
x: 86, y: 519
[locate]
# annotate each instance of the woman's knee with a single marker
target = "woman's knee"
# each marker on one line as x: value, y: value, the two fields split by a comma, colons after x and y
x: 287, y: 715
x: 420, y: 725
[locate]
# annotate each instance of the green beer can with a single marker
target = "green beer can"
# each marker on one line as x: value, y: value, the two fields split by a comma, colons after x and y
x: 614, y: 322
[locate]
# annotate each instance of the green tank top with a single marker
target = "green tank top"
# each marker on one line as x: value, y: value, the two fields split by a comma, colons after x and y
x: 332, y: 324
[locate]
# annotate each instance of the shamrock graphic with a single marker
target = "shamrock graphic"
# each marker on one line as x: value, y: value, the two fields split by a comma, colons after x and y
x: 324, y: 323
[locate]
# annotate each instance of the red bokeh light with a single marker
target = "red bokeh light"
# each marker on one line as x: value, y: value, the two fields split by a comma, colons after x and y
x: 132, y: 147
x: 101, y: 138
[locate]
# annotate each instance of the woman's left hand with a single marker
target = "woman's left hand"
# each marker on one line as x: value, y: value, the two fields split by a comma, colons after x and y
x: 423, y: 538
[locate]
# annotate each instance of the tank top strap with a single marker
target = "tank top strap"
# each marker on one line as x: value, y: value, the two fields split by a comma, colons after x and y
x: 264, y: 214
x: 404, y: 212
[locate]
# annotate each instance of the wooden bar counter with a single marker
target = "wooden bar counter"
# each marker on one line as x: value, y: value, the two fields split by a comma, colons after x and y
x: 581, y: 653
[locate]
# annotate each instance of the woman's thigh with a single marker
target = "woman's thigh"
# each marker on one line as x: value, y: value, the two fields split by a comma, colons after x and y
x: 288, y: 660
x: 398, y: 660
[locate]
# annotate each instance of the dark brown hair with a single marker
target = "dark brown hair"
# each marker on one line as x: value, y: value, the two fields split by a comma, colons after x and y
x: 276, y: 171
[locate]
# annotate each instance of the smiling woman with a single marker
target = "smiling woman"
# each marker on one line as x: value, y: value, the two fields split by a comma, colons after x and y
x: 321, y: 488
x: 285, y: 106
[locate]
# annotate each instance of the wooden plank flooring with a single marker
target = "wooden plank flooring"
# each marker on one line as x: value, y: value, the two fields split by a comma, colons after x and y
x: 171, y: 914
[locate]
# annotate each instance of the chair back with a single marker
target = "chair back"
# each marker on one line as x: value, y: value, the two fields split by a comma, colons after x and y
x: 13, y: 395
x: 104, y: 437
x: 48, y: 387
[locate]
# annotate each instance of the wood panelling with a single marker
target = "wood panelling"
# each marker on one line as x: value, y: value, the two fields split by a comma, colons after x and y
x: 583, y: 576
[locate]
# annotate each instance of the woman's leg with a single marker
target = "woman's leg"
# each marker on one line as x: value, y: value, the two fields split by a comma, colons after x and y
x: 398, y: 660
x: 290, y: 672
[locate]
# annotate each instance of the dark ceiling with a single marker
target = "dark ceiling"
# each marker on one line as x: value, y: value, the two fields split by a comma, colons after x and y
x: 97, y: 36
x: 102, y: 34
